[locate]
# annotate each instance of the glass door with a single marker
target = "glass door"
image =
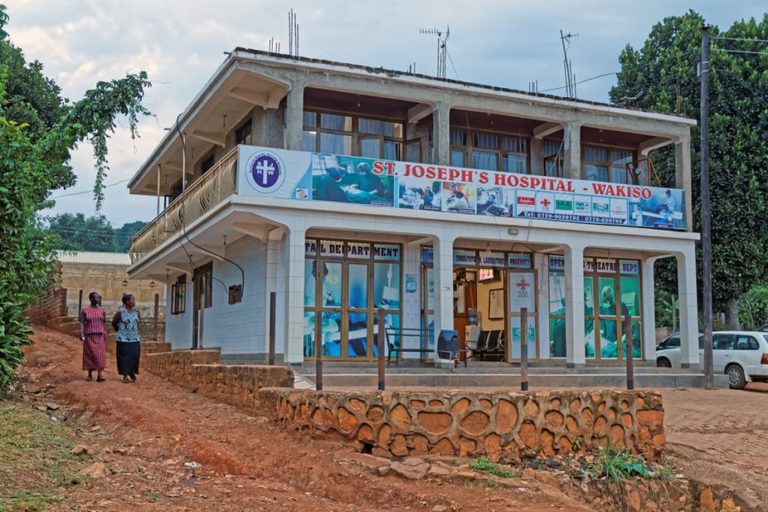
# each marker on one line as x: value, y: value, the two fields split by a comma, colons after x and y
x: 521, y: 293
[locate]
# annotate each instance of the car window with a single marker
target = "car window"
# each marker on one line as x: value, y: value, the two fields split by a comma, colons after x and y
x: 722, y: 342
x: 673, y: 341
x: 746, y: 343
x: 701, y: 342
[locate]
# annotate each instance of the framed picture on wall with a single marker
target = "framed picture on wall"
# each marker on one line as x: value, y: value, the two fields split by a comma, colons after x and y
x: 496, y: 304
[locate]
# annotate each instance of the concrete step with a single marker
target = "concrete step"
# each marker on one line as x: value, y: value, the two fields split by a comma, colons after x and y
x: 671, y: 379
x: 479, y: 370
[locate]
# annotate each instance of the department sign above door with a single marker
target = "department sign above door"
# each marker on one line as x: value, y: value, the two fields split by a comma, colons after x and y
x: 306, y: 176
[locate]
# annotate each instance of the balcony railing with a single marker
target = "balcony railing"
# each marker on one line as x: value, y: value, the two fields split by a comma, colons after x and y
x: 213, y: 187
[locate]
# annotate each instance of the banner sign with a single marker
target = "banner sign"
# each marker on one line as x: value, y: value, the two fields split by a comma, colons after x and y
x: 307, y: 176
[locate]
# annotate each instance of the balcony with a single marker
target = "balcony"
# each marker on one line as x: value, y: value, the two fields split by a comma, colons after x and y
x: 212, y: 188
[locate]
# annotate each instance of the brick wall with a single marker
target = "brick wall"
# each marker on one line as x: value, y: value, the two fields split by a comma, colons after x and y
x: 500, y: 426
x: 50, y: 308
x: 236, y: 385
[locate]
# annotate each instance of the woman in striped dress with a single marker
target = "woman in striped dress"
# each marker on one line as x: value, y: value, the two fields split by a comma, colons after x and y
x: 93, y: 323
x: 126, y: 323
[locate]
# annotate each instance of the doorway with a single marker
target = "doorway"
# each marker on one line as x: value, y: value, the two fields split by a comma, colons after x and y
x: 202, y: 281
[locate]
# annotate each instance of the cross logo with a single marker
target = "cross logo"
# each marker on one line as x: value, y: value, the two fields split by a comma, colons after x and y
x: 546, y: 202
x: 523, y: 284
x: 265, y: 172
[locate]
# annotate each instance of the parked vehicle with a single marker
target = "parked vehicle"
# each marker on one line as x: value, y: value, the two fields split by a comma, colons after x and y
x: 673, y: 340
x: 742, y: 355
x: 764, y: 328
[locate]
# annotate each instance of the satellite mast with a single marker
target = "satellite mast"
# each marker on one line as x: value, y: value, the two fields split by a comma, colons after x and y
x: 442, y: 47
x: 570, y: 78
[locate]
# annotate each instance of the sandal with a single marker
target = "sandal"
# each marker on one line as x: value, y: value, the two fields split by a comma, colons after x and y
x: 125, y: 380
x: 100, y: 379
x: 89, y: 378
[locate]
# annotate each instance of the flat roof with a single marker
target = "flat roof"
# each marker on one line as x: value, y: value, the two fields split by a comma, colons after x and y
x: 94, y: 258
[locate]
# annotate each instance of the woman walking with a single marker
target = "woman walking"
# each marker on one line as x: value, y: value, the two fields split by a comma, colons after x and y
x: 93, y: 323
x: 126, y: 323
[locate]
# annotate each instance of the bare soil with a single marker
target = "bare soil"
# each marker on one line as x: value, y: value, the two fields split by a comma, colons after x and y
x: 166, y: 448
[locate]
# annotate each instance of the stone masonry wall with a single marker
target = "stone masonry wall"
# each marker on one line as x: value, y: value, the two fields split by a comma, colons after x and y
x: 502, y: 426
x: 236, y: 385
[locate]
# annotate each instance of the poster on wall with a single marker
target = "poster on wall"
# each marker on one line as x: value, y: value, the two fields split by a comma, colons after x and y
x: 305, y: 176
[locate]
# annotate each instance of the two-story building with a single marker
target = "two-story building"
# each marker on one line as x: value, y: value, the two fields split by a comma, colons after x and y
x: 345, y: 190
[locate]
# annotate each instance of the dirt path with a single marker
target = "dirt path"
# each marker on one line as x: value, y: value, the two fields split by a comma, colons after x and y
x: 721, y: 437
x: 145, y: 433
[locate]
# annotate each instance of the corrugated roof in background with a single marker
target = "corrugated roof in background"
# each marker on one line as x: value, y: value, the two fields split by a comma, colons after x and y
x: 94, y: 258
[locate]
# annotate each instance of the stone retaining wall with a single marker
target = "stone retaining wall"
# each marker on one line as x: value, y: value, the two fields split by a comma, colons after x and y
x: 501, y: 426
x: 236, y: 385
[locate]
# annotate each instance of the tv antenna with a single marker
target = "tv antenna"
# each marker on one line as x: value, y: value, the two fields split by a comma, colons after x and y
x: 293, y: 34
x: 442, y: 47
x: 570, y: 77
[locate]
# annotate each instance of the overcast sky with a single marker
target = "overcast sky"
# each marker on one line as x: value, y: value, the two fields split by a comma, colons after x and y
x: 180, y: 43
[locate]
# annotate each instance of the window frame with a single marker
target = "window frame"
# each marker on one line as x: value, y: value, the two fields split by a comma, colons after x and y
x: 357, y: 137
x: 607, y: 164
x: 179, y: 295
x: 469, y: 137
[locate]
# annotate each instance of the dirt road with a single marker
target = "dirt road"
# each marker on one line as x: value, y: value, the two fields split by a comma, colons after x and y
x: 146, y: 432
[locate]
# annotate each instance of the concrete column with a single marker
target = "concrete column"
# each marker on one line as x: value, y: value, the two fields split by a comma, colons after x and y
x: 574, y: 308
x: 541, y: 265
x: 441, y: 132
x: 294, y: 295
x: 442, y: 263
x: 572, y: 150
x: 683, y: 176
x: 689, y: 320
x: 294, y: 116
x: 536, y: 163
x: 649, y: 310
x: 274, y: 254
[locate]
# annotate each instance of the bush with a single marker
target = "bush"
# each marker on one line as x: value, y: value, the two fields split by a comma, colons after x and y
x: 14, y: 333
x: 753, y: 307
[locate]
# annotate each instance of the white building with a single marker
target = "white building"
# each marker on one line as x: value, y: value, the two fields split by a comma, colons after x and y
x: 346, y: 189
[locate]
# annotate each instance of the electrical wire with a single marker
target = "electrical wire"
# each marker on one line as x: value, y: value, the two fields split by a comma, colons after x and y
x: 184, y: 227
x: 580, y: 82
x: 90, y: 191
x: 763, y: 52
x: 748, y: 39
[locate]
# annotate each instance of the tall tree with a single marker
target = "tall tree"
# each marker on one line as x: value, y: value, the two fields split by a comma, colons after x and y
x: 78, y: 233
x: 662, y: 76
x: 124, y: 234
x: 33, y: 162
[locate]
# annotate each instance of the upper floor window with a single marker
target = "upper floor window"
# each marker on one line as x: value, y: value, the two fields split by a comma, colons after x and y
x: 489, y: 151
x: 352, y: 135
x: 554, y: 156
x: 606, y: 164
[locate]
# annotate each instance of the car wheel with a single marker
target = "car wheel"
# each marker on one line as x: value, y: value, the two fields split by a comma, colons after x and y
x: 736, y: 377
x: 663, y: 362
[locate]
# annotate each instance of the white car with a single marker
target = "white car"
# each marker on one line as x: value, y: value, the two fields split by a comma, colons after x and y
x: 742, y: 355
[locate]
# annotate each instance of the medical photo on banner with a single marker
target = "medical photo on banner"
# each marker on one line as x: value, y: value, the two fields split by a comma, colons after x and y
x: 347, y: 179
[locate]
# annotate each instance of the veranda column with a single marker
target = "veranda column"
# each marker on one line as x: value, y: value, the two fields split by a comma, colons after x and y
x: 683, y: 175
x: 274, y: 255
x: 572, y: 150
x: 441, y: 132
x: 574, y: 307
x: 649, y: 310
x: 294, y: 116
x: 294, y: 295
x: 689, y: 319
x: 442, y: 263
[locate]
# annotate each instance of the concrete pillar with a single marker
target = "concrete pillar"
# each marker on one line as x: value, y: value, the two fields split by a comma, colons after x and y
x: 293, y: 348
x: 689, y: 320
x: 442, y: 263
x: 683, y: 176
x: 572, y: 150
x: 536, y: 163
x: 274, y: 254
x: 649, y: 309
x: 574, y: 308
x: 541, y: 265
x: 294, y: 116
x: 441, y: 132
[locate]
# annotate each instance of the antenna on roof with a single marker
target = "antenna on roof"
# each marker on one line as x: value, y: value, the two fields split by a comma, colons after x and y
x: 570, y: 77
x: 442, y: 47
x: 293, y: 34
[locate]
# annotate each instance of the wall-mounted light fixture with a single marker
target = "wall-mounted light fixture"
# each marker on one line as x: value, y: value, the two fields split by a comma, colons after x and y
x: 513, y: 231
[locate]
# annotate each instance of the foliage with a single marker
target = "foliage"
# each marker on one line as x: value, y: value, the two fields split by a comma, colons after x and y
x: 618, y: 465
x: 33, y: 163
x: 486, y: 466
x: 753, y: 307
x: 663, y: 76
x: 79, y: 233
x: 36, y: 466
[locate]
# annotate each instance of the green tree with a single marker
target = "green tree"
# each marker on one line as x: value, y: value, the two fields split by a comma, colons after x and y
x: 78, y: 233
x: 662, y: 76
x: 35, y: 162
x: 124, y: 234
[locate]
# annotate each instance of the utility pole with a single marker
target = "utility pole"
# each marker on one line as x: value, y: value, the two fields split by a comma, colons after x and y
x: 706, y: 235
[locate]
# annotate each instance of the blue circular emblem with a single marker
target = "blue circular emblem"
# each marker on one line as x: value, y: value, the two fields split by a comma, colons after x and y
x: 265, y: 172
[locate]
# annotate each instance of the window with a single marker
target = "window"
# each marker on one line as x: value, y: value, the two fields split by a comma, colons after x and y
x: 722, y: 342
x: 554, y: 156
x: 243, y: 133
x: 489, y: 151
x: 179, y: 295
x: 606, y: 164
x: 203, y: 280
x: 746, y: 343
x: 352, y: 135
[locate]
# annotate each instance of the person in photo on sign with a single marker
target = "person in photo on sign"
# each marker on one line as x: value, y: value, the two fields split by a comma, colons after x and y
x: 369, y: 183
x: 93, y: 321
x: 126, y: 323
x: 328, y: 186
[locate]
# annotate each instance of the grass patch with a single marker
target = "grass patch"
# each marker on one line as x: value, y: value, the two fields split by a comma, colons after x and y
x: 618, y: 465
x: 35, y: 460
x: 486, y: 466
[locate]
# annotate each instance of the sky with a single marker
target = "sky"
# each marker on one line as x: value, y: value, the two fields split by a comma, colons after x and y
x: 180, y: 43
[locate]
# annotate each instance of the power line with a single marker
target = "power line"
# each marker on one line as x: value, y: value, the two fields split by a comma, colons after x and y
x: 579, y: 82
x: 90, y: 191
x: 749, y: 39
x: 764, y: 52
